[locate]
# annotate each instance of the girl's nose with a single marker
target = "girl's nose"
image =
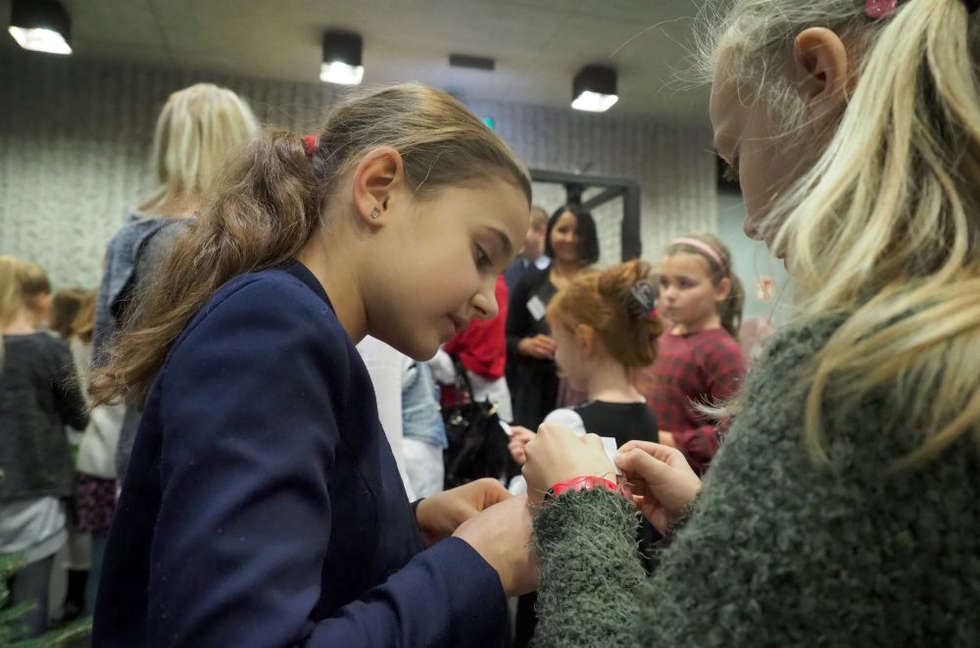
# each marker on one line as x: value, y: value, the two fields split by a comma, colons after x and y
x: 485, y: 301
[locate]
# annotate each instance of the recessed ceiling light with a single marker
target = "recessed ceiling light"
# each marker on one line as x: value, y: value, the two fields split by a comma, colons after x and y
x: 594, y: 89
x: 341, y: 58
x: 41, y: 26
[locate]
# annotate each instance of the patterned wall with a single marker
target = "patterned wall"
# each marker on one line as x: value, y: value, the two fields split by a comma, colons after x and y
x: 75, y: 138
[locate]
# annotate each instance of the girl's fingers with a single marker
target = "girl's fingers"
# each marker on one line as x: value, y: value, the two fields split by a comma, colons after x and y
x: 642, y: 464
x: 659, y: 451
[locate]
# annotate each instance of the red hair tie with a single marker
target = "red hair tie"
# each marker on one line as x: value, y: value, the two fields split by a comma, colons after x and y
x: 310, y: 144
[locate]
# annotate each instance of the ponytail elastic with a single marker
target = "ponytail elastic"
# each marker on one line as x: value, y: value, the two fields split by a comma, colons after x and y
x: 310, y: 144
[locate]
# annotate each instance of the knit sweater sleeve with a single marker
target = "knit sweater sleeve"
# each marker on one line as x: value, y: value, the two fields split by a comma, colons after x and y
x: 779, y: 550
x: 589, y: 570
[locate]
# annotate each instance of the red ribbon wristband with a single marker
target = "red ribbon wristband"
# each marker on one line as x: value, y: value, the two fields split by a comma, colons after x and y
x: 586, y: 482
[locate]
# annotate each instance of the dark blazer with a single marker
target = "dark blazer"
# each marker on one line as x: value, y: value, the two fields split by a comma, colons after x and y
x: 263, y: 506
x: 533, y: 382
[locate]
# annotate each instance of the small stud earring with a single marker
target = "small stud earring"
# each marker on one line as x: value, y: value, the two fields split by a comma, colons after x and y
x: 375, y: 213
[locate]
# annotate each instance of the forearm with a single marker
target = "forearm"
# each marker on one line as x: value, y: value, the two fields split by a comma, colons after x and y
x: 589, y: 570
x: 446, y: 596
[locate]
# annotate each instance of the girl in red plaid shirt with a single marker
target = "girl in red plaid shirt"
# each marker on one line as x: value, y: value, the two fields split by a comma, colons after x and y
x: 699, y: 360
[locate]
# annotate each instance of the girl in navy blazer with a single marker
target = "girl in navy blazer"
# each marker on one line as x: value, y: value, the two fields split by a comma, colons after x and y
x: 262, y: 506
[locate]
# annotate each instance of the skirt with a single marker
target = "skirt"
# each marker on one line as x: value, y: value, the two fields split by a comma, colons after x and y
x: 95, y: 502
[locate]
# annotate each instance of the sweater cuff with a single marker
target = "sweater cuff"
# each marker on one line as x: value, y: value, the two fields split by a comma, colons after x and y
x: 588, y: 565
x: 477, y: 603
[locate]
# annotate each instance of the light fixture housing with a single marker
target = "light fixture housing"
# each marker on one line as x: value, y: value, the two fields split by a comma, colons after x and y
x: 40, y: 25
x: 594, y: 89
x: 341, y: 58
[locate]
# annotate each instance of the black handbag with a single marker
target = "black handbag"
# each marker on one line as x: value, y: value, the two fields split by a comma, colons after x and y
x: 477, y: 442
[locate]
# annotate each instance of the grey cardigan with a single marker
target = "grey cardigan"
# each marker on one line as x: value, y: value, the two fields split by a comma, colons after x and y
x: 131, y: 256
x: 776, y: 550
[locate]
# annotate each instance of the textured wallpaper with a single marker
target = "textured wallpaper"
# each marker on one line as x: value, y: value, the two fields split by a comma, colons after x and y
x: 75, y: 139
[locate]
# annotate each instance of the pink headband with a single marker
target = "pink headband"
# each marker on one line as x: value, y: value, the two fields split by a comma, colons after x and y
x: 702, y: 247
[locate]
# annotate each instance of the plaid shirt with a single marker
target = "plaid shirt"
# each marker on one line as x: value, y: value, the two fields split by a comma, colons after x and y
x: 707, y: 368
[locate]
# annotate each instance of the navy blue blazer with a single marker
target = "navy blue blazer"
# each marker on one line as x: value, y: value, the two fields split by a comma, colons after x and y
x: 263, y: 507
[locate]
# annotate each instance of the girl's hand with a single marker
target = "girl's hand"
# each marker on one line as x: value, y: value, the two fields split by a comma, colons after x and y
x: 539, y: 346
x: 556, y: 454
x: 658, y: 480
x: 667, y: 439
x: 519, y: 438
x: 441, y: 514
x: 502, y: 536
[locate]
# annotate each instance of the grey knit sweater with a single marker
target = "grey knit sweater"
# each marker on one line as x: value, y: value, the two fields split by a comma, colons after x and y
x: 777, y: 551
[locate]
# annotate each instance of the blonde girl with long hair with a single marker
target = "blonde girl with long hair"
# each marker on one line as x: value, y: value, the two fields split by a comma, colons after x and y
x: 39, y: 396
x: 263, y: 505
x: 841, y: 510
x: 198, y: 130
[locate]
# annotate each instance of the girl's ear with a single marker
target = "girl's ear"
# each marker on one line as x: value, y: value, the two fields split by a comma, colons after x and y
x: 821, y: 68
x: 723, y: 289
x: 376, y: 178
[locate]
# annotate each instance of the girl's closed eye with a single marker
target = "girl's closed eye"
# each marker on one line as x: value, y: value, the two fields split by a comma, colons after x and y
x: 483, y: 259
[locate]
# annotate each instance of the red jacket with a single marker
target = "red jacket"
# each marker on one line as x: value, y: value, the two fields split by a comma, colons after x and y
x: 482, y: 347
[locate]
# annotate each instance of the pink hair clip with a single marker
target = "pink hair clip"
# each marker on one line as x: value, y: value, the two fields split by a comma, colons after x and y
x: 877, y: 9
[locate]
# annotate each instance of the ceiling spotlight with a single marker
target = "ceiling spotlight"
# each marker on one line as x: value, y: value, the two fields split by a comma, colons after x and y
x: 594, y: 89
x: 40, y: 25
x: 341, y: 58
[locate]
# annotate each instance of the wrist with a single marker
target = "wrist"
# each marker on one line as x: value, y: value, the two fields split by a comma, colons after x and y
x: 421, y: 510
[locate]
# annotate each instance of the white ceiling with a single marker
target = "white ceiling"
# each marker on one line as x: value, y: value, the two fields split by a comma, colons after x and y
x: 538, y: 44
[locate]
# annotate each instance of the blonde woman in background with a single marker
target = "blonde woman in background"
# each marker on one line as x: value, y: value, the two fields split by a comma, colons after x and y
x: 37, y: 399
x: 199, y: 128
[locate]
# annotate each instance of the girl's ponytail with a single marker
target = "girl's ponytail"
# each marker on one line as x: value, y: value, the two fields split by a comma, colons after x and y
x: 730, y: 310
x: 265, y: 212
